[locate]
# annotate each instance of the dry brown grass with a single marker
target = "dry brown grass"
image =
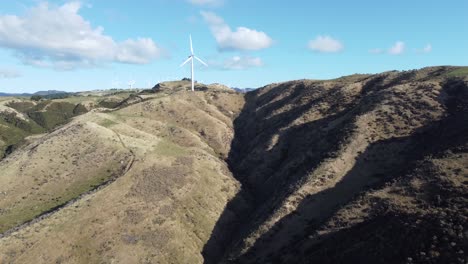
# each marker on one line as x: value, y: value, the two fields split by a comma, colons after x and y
x: 364, y: 168
x: 176, y: 140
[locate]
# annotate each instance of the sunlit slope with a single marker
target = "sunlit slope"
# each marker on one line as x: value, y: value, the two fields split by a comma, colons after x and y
x: 57, y: 168
x: 163, y: 208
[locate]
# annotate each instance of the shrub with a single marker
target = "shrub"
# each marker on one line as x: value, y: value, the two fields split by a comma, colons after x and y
x: 36, y: 98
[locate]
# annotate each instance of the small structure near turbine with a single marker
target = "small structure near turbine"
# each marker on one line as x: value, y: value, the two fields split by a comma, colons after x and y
x: 190, y: 58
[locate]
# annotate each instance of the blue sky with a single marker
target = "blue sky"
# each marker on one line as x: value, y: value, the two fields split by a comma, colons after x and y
x: 90, y: 44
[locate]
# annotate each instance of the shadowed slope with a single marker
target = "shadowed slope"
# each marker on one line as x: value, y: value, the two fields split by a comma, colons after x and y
x: 305, y: 149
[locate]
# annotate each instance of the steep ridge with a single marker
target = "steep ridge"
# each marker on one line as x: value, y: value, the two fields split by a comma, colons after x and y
x: 360, y: 169
x: 161, y: 210
x: 345, y: 170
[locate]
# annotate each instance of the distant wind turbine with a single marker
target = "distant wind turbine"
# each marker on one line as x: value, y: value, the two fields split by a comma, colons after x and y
x: 131, y: 83
x: 190, y: 58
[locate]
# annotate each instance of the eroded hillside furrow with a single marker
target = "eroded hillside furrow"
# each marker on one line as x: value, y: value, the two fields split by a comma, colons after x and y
x: 305, y: 150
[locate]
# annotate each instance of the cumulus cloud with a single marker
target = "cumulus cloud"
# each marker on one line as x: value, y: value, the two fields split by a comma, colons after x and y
x: 242, y: 63
x: 9, y: 74
x: 206, y: 2
x: 241, y: 39
x: 325, y: 44
x: 137, y: 51
x: 426, y: 49
x: 398, y: 48
x: 57, y: 36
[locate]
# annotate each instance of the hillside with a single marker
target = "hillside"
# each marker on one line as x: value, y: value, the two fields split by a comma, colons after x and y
x: 22, y: 118
x: 360, y: 169
x: 145, y: 182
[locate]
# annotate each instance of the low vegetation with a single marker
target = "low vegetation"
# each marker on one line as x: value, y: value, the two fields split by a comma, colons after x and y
x: 361, y: 169
x: 20, y: 117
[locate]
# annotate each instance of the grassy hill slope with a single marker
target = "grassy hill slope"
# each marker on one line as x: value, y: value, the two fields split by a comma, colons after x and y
x: 21, y: 117
x: 360, y: 169
x: 167, y: 183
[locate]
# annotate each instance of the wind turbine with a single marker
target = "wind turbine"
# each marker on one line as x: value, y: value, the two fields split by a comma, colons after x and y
x: 190, y: 58
x: 131, y: 83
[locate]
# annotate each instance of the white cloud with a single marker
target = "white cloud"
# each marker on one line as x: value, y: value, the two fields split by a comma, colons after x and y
x: 9, y: 74
x: 426, y: 49
x: 206, y: 2
x: 241, y: 39
x: 397, y: 48
x: 137, y: 51
x: 57, y: 36
x: 242, y: 63
x: 325, y: 44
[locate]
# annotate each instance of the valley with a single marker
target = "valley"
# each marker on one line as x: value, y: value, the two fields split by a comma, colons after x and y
x: 364, y: 168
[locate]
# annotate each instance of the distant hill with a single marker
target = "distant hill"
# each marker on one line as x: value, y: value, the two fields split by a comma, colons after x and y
x: 42, y: 93
x: 14, y: 94
x: 49, y: 92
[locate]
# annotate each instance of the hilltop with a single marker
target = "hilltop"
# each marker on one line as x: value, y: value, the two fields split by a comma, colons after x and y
x: 360, y: 169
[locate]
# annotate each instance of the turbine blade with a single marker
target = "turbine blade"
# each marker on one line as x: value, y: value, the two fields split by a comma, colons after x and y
x: 185, y: 62
x: 201, y: 61
x: 191, y: 47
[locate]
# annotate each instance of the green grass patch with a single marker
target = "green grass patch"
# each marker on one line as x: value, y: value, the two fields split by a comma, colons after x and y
x: 22, y: 107
x: 12, y: 120
x: 79, y: 110
x: 110, y: 103
x: 107, y: 123
x: 50, y: 120
x: 78, y: 99
x: 460, y: 72
x: 40, y: 106
x: 43, y: 117
x: 167, y: 148
x: 55, y: 114
x: 32, y: 207
x: 13, y: 130
x: 10, y: 135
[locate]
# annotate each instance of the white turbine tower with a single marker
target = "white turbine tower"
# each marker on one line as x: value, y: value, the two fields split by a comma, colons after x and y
x: 190, y: 58
x: 131, y: 83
